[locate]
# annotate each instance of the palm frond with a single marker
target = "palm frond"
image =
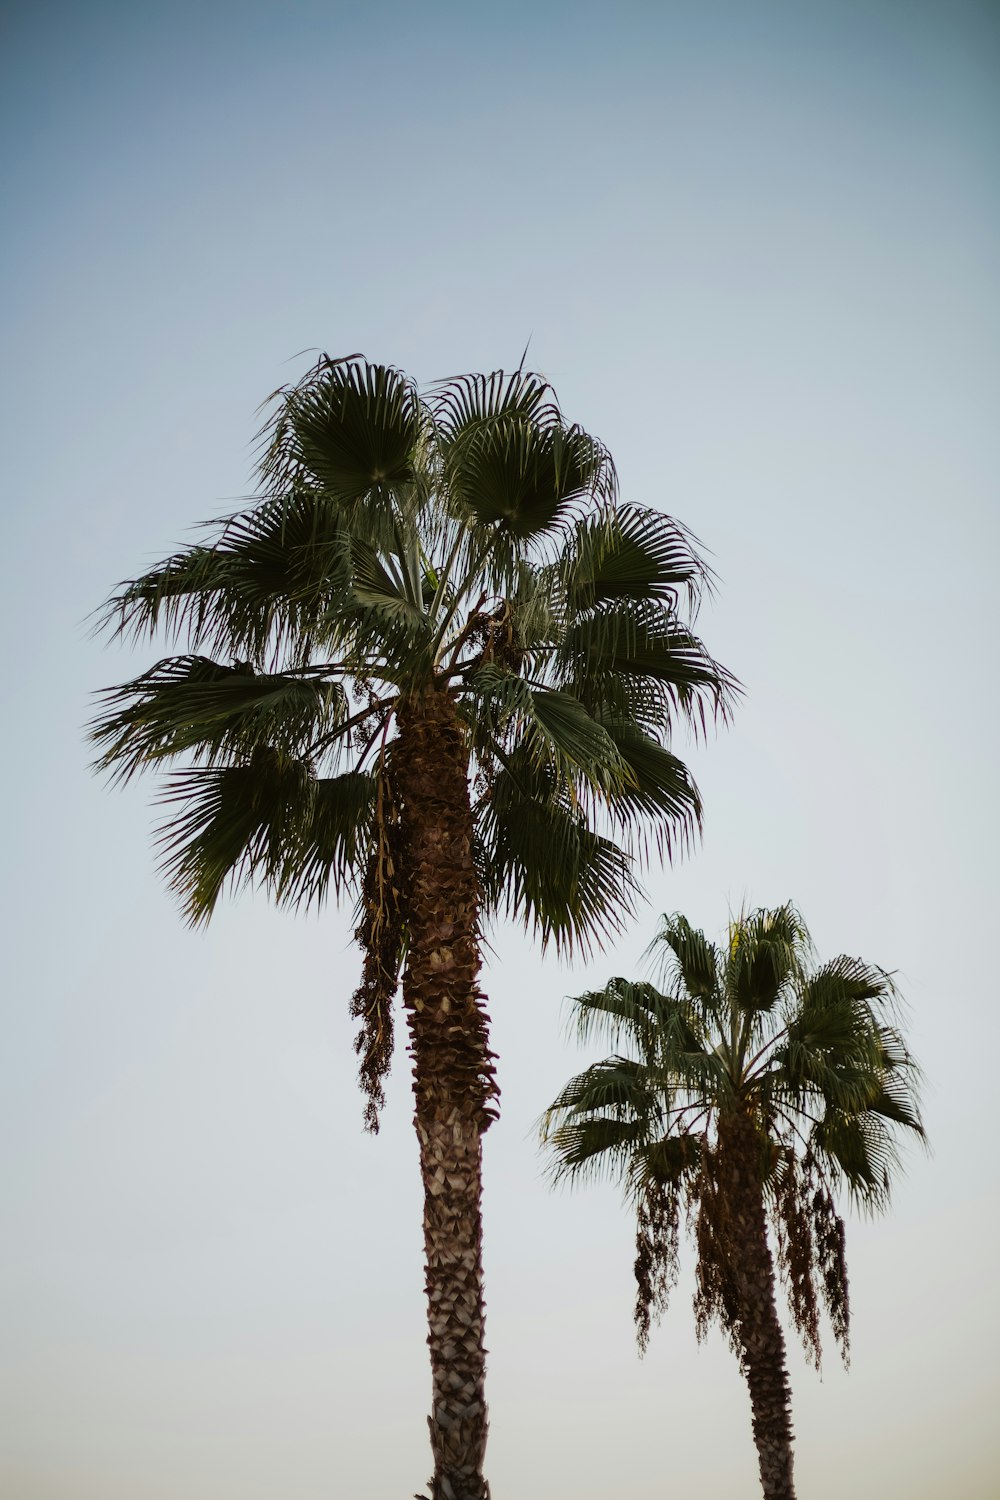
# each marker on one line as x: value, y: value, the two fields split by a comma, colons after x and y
x: 193, y: 705
x: 544, y: 729
x: 561, y: 730
x: 542, y: 865
x: 331, y: 842
x: 349, y: 428
x: 767, y: 953
x: 461, y: 401
x: 643, y: 640
x: 621, y: 1087
x: 837, y: 1045
x: 273, y: 574
x: 593, y: 1149
x: 896, y: 1102
x: 659, y: 794
x: 686, y: 958
x: 601, y: 1119
x: 509, y: 459
x: 624, y: 1011
x: 666, y: 1162
x: 857, y: 1147
x: 846, y: 982
x: 632, y: 553
x: 232, y: 826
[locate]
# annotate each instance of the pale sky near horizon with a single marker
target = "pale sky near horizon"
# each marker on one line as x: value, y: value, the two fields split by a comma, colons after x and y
x: 756, y: 247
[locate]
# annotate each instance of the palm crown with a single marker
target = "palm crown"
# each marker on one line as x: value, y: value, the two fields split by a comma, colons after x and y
x: 811, y: 1060
x: 469, y: 542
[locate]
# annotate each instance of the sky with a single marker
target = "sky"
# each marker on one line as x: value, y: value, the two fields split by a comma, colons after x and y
x: 755, y: 245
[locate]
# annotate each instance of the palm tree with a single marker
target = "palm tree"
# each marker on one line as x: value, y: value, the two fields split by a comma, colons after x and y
x: 749, y: 1091
x: 435, y: 665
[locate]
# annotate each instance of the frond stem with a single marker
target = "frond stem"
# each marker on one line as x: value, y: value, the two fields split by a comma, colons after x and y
x: 341, y: 729
x: 460, y: 593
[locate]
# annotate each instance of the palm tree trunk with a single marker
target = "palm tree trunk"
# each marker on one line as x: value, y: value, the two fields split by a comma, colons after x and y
x: 453, y: 1082
x: 757, y: 1330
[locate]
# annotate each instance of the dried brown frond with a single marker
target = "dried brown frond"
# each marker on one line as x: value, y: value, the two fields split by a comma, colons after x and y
x: 497, y: 636
x: 656, y: 1255
x: 831, y: 1262
x: 793, y: 1217
x: 719, y: 1242
x: 811, y: 1253
x: 380, y: 935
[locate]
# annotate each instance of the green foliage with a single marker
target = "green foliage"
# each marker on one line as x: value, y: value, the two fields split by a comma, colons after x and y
x: 467, y: 541
x: 351, y: 434
x: 510, y: 459
x: 811, y: 1058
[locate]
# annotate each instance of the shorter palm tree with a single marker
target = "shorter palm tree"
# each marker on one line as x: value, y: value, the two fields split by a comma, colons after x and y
x: 748, y: 1093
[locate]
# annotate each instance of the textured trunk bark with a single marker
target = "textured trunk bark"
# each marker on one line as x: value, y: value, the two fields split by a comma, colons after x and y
x: 453, y: 1081
x: 759, y: 1330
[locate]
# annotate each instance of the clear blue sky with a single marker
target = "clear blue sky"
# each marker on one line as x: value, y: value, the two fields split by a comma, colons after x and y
x: 756, y: 246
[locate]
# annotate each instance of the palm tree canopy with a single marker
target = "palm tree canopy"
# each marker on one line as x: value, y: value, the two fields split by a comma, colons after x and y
x: 467, y: 541
x: 749, y: 1030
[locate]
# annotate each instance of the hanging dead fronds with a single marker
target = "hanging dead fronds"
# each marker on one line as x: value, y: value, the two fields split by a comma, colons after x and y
x: 720, y: 1246
x: 657, y: 1244
x: 380, y: 935
x: 811, y: 1253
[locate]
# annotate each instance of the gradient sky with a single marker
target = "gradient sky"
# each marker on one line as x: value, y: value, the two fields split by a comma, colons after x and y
x: 756, y: 247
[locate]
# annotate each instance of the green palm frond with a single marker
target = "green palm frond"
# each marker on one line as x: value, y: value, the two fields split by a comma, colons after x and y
x: 331, y: 842
x: 601, y: 1119
x: 626, y: 699
x: 510, y: 460
x: 379, y: 583
x: 666, y: 1162
x: 845, y: 981
x: 896, y: 1103
x: 632, y: 1013
x: 659, y: 796
x: 835, y: 1042
x: 857, y: 1147
x: 538, y: 609
x: 643, y: 640
x: 687, y: 959
x: 592, y: 1149
x: 275, y: 573
x: 350, y: 429
x: 390, y: 633
x: 538, y: 729
x: 767, y: 950
x: 520, y: 477
x: 190, y: 704
x: 561, y: 731
x: 631, y: 553
x: 541, y: 864
x: 620, y: 1086
x: 495, y: 701
x: 463, y: 403
x: 230, y: 826
x: 667, y: 1034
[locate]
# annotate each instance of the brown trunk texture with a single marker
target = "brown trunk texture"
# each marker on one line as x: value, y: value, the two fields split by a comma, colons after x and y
x: 759, y: 1330
x: 453, y: 1082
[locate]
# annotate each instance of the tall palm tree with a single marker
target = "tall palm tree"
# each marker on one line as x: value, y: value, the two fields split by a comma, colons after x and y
x: 749, y: 1091
x: 435, y: 665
